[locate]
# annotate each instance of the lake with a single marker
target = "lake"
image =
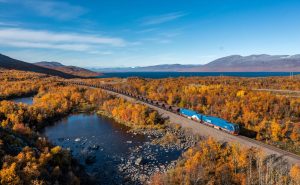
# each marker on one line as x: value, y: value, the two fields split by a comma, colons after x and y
x: 26, y: 100
x: 107, y: 150
x: 156, y: 75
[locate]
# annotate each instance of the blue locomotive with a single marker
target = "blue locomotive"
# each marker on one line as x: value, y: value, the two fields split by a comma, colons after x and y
x: 212, y: 121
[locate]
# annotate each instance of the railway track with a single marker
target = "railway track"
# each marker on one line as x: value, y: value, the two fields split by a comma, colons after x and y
x: 198, y: 128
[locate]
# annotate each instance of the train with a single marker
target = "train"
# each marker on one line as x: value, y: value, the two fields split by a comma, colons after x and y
x: 212, y: 121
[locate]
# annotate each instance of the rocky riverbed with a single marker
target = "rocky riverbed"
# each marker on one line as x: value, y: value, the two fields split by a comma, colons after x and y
x: 144, y: 161
x: 114, y: 154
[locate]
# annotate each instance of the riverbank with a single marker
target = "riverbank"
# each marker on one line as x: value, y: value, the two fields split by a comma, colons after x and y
x: 113, y: 153
x: 142, y: 163
x: 170, y: 139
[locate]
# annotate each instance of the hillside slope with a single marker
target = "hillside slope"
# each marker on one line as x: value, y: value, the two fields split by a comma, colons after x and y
x: 253, y: 63
x: 77, y: 71
x: 10, y: 63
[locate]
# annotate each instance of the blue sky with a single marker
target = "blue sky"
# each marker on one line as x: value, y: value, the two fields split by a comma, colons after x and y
x: 139, y: 33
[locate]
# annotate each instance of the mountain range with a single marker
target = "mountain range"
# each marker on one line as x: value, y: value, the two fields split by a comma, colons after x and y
x: 73, y: 70
x: 49, y: 68
x: 233, y: 63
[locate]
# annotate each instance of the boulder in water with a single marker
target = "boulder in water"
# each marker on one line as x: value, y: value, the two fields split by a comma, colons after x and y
x: 139, y: 161
x: 95, y: 147
x: 90, y: 159
x: 77, y: 139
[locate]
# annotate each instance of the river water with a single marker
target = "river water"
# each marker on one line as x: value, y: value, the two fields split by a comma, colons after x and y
x: 26, y: 100
x: 108, y: 151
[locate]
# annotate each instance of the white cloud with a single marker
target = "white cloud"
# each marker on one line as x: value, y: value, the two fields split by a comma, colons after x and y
x: 9, y: 24
x: 158, y: 40
x: 154, y: 20
x: 170, y: 34
x: 73, y: 47
x: 53, y: 40
x: 147, y: 30
x: 60, y: 10
x: 137, y: 43
x: 101, y: 52
x: 50, y: 8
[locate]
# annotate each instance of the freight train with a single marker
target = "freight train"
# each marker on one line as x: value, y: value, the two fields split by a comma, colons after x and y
x: 212, y: 121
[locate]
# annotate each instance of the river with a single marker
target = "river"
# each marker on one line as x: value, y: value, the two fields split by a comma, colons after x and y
x: 26, y: 100
x: 106, y: 149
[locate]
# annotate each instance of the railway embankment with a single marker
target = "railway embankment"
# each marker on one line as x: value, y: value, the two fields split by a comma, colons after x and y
x: 200, y: 129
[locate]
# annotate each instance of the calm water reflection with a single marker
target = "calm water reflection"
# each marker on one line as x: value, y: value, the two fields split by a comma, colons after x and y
x: 26, y: 100
x: 92, y: 130
x: 106, y: 142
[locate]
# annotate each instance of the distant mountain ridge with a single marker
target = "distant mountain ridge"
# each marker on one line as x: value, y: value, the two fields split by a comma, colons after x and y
x: 49, y: 64
x: 233, y: 63
x: 78, y: 71
x: 10, y: 63
x: 156, y: 68
x: 255, y: 63
x: 49, y: 68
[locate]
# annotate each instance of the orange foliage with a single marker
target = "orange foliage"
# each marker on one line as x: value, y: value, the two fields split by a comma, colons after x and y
x: 272, y: 117
x: 213, y: 163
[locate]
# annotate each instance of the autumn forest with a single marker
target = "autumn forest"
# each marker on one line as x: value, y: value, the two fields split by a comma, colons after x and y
x: 272, y: 117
